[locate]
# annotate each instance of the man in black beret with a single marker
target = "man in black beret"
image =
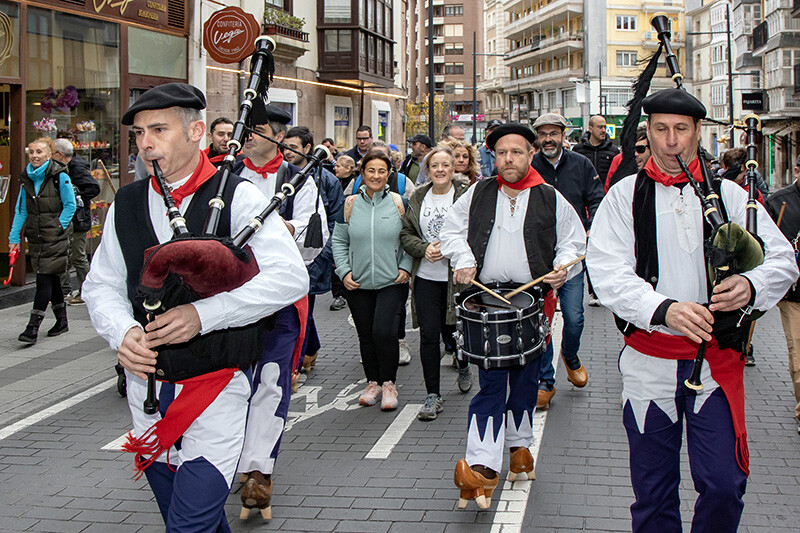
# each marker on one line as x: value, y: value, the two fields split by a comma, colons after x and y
x: 511, y: 228
x: 207, y: 412
x: 274, y: 379
x: 646, y: 259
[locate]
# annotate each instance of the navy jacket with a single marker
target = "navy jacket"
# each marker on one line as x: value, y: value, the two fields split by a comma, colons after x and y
x: 576, y: 179
x: 332, y: 197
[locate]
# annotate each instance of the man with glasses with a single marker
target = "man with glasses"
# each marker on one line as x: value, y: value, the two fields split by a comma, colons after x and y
x: 642, y: 154
x: 574, y: 177
x: 363, y: 143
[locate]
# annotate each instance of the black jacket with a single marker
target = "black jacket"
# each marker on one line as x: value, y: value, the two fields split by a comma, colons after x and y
x: 576, y: 179
x: 354, y: 153
x: 81, y: 176
x: 600, y: 155
x: 790, y: 222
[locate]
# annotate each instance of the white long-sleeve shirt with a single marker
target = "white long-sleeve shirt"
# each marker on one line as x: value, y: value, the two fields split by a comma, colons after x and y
x: 681, y: 260
x: 506, y: 259
x: 281, y: 281
x: 305, y: 204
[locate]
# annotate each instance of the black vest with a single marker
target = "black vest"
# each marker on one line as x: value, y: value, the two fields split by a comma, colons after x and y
x: 539, y: 227
x: 285, y: 174
x: 233, y: 347
x: 645, y: 249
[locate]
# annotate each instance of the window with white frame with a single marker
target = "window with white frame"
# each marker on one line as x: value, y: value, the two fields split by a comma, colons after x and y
x: 626, y: 22
x: 626, y: 58
x: 569, y: 98
x: 453, y: 30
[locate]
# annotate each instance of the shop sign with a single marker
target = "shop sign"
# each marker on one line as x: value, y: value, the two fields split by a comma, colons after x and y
x: 753, y: 101
x: 229, y: 35
x: 148, y: 12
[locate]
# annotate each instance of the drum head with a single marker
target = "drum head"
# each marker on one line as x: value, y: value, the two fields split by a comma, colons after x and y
x: 482, y: 301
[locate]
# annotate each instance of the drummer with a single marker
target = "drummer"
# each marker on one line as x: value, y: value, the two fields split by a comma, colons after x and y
x: 512, y: 227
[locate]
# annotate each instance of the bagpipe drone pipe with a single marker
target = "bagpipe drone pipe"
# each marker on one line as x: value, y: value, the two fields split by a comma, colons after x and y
x: 191, y: 267
x: 729, y: 249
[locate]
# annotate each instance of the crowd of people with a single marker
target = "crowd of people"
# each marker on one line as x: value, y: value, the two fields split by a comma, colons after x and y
x: 380, y: 231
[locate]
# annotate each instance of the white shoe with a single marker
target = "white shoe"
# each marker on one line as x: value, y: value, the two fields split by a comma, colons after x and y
x: 593, y: 302
x: 405, y: 355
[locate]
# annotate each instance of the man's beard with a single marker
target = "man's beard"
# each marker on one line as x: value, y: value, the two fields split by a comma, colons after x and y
x: 551, y: 151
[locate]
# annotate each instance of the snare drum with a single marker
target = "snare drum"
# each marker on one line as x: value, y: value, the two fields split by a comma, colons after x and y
x: 492, y: 334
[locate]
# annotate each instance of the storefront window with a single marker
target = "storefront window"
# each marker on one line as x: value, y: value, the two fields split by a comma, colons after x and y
x: 341, y: 126
x: 169, y: 62
x: 9, y: 39
x: 73, y: 78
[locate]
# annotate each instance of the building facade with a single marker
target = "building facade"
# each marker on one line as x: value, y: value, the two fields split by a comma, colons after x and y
x: 458, y: 41
x: 579, y: 57
x: 495, y: 72
x: 776, y: 42
x: 336, y: 67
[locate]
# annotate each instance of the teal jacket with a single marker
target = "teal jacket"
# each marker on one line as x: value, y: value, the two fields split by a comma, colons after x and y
x: 368, y: 244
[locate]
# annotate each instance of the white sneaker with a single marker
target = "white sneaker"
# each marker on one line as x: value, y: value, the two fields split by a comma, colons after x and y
x: 593, y: 302
x: 405, y: 355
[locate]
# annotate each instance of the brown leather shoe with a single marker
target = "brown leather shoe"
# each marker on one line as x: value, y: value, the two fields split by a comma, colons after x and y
x: 473, y: 485
x: 521, y: 462
x: 544, y: 398
x: 257, y: 492
x: 579, y: 377
x: 309, y: 362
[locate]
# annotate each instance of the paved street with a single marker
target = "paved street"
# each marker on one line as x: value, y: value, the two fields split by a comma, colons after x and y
x: 346, y: 468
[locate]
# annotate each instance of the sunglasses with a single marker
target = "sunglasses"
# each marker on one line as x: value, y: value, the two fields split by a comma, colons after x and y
x: 642, y: 148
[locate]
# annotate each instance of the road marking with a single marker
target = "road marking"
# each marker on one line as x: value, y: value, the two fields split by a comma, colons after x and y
x: 394, y: 432
x: 311, y: 393
x: 55, y: 409
x: 513, y: 500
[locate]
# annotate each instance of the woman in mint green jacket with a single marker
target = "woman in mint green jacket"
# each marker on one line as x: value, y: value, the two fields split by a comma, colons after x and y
x: 375, y: 270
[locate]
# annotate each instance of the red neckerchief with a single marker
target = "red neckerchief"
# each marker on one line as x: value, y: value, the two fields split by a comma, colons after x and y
x: 665, y: 179
x: 531, y: 179
x: 205, y: 170
x: 196, y: 395
x: 269, y: 168
x: 219, y: 158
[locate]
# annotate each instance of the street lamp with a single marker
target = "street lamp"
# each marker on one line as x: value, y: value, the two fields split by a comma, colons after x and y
x: 475, y: 55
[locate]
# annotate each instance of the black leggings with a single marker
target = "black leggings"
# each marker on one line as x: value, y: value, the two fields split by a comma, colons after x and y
x: 430, y: 302
x: 376, y: 314
x: 48, y: 289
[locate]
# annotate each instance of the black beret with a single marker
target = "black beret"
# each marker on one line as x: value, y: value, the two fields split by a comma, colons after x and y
x: 674, y: 102
x: 507, y: 129
x: 262, y: 113
x: 165, y: 96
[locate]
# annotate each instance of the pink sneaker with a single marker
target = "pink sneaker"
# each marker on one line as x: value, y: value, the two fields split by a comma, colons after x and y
x: 389, y: 401
x: 371, y: 394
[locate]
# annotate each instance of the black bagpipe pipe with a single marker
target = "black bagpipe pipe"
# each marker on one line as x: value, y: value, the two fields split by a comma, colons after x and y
x: 730, y: 249
x: 752, y: 125
x: 189, y: 267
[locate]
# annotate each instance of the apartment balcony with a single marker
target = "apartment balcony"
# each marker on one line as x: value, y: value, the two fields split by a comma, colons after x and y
x: 510, y: 5
x: 663, y: 6
x: 436, y: 60
x: 650, y: 40
x: 290, y: 43
x: 550, y: 47
x: 553, y: 13
x: 555, y: 78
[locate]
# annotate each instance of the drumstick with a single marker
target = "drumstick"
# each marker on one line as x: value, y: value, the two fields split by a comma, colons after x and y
x: 490, y: 291
x: 780, y: 215
x: 539, y: 279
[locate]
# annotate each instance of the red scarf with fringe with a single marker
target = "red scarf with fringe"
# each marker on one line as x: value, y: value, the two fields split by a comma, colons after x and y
x: 205, y: 171
x: 665, y: 179
x: 270, y: 168
x: 195, y: 396
x: 531, y: 179
x: 727, y: 369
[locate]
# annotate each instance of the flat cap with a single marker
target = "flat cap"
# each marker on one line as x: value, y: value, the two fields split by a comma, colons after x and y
x: 494, y: 123
x: 166, y: 96
x: 263, y: 113
x: 508, y: 129
x: 424, y: 139
x: 551, y: 119
x: 674, y: 102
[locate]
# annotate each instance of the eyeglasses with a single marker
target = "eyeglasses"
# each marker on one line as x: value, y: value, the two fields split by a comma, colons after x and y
x: 363, y: 138
x: 642, y: 148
